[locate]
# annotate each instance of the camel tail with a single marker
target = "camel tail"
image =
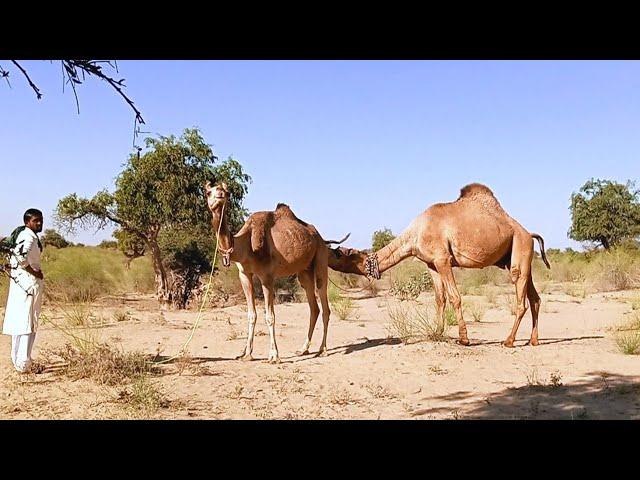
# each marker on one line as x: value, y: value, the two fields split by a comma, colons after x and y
x: 541, y: 243
x: 329, y: 242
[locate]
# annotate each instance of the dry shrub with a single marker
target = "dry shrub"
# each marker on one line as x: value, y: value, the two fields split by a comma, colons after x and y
x: 617, y: 269
x: 412, y: 325
x: 410, y: 288
x: 103, y: 364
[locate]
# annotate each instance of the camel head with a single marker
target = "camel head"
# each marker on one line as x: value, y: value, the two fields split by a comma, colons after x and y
x: 217, y: 195
x: 347, y: 260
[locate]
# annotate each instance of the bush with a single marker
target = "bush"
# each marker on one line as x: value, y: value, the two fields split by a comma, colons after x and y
x: 381, y: 238
x: 412, y: 287
x: 414, y: 325
x: 108, y: 244
x: 340, y: 304
x: 628, y: 342
x: 471, y: 280
x: 76, y: 274
x: 187, y: 254
x: 287, y: 288
x: 618, y: 269
x: 54, y: 239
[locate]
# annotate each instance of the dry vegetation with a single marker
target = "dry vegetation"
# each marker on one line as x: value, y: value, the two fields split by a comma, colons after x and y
x: 89, y: 322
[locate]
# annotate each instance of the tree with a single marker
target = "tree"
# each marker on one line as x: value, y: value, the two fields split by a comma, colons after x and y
x: 54, y: 239
x: 381, y: 238
x: 130, y: 244
x: 159, y: 192
x: 108, y: 244
x: 187, y: 254
x: 605, y: 213
x: 74, y: 72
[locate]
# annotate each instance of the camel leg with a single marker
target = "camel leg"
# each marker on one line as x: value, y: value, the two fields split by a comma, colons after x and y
x: 534, y: 303
x: 446, y: 272
x: 322, y: 276
x: 441, y: 299
x: 246, y: 279
x: 521, y: 257
x: 521, y: 297
x: 270, y: 318
x: 307, y: 281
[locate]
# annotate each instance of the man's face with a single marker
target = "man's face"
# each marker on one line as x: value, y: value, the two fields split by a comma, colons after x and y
x: 35, y: 223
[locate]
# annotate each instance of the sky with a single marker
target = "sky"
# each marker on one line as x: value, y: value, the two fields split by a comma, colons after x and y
x: 350, y: 146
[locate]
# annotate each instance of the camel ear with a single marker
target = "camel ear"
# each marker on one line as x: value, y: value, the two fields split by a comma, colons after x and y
x: 207, y: 186
x: 224, y: 185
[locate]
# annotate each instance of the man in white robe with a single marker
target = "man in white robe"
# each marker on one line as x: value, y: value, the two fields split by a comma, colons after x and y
x: 25, y: 291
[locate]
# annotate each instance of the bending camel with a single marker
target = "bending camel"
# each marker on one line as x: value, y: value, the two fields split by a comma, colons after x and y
x: 472, y: 232
x: 272, y: 245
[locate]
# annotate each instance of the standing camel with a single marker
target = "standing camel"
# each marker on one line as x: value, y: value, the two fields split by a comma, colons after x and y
x: 472, y: 232
x: 272, y: 245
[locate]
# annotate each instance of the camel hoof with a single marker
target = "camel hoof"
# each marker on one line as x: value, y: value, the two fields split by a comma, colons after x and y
x: 508, y: 344
x: 245, y: 357
x: 533, y: 342
x: 301, y: 353
x: 274, y: 361
x: 323, y: 353
x: 464, y: 341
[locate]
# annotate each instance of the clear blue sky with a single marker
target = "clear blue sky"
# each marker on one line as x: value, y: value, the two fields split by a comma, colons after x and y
x: 351, y: 146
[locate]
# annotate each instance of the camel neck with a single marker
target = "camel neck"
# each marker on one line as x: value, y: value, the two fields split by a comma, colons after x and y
x: 225, y: 241
x: 393, y: 253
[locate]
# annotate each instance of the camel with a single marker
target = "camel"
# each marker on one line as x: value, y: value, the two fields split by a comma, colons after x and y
x: 471, y: 232
x: 272, y: 245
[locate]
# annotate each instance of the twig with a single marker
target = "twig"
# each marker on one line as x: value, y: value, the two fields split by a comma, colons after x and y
x: 72, y: 68
x: 24, y: 72
x: 92, y: 68
x: 5, y: 74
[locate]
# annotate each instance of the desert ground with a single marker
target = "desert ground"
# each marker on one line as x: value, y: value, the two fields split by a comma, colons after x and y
x: 577, y: 372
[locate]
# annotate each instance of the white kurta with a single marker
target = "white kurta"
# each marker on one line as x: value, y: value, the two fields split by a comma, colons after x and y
x: 25, y: 291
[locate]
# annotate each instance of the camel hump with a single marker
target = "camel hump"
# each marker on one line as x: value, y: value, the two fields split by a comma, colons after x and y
x: 475, y: 189
x: 284, y: 211
x: 260, y: 222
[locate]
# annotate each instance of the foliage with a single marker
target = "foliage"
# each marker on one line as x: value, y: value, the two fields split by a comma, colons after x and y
x: 381, y: 238
x: 605, y: 213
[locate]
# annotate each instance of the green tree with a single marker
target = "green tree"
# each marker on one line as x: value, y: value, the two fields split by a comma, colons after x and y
x: 381, y: 238
x: 108, y: 244
x: 605, y: 213
x: 130, y: 244
x: 159, y: 192
x: 187, y: 254
x: 53, y: 238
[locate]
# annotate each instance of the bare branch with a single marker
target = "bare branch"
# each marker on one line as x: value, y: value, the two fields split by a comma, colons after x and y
x: 24, y: 72
x: 75, y: 72
x: 73, y: 84
x: 5, y: 74
x: 93, y: 67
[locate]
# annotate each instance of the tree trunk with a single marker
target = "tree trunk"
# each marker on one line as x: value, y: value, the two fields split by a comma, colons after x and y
x: 184, y: 284
x: 162, y: 290
x: 605, y: 243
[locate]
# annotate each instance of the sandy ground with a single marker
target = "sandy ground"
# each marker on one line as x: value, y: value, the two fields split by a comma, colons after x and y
x: 577, y: 371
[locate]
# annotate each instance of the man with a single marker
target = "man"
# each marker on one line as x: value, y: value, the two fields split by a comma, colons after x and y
x: 25, y: 290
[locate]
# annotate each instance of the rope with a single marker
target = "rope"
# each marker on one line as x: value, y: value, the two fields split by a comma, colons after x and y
x: 195, y: 325
x: 349, y: 291
x: 204, y: 299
